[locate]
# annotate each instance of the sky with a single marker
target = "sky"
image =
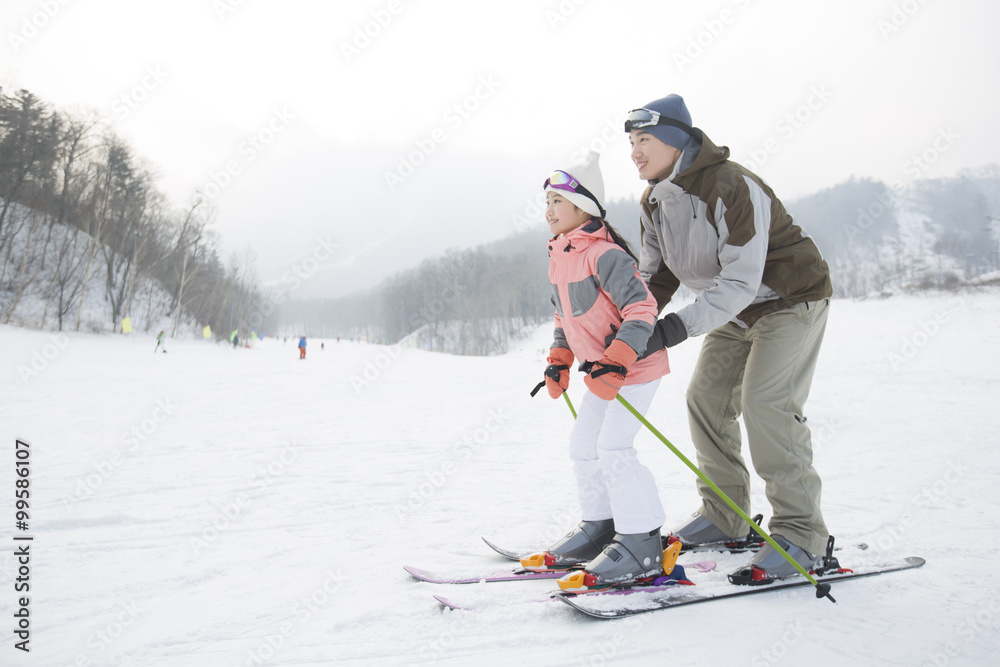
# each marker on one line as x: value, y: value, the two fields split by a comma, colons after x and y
x: 339, y: 143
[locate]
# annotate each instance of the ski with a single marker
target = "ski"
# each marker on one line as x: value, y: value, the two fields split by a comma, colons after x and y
x: 677, y: 577
x: 515, y: 574
x: 622, y: 602
x: 509, y: 554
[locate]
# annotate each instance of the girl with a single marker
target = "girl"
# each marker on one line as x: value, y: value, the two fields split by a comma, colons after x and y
x: 604, y: 315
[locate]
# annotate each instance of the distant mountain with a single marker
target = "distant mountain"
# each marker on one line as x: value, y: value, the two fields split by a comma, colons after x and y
x: 934, y: 233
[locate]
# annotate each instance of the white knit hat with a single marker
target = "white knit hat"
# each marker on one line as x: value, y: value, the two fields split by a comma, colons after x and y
x: 587, y: 174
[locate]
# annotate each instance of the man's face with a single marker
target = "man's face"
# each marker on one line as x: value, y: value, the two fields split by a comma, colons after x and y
x: 654, y: 159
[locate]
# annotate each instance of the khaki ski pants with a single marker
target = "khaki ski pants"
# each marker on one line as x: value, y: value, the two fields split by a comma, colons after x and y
x: 762, y: 373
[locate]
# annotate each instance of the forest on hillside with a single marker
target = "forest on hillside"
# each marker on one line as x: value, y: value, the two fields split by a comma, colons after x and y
x: 87, y: 239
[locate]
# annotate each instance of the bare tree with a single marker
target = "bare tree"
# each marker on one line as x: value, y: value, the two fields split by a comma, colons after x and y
x: 187, y: 248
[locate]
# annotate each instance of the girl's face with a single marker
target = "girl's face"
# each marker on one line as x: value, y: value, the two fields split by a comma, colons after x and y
x: 654, y: 158
x: 563, y: 215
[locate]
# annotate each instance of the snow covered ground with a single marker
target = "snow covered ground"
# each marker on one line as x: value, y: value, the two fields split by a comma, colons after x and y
x: 212, y: 506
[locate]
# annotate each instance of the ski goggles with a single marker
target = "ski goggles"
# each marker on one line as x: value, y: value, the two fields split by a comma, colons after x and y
x: 640, y: 118
x: 561, y: 180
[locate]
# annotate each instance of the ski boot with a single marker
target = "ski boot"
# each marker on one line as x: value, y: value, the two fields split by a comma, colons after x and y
x: 629, y: 558
x: 769, y: 564
x: 579, y: 546
x: 700, y: 533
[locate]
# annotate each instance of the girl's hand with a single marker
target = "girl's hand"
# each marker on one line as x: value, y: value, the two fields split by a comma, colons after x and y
x: 607, y: 376
x: 557, y: 373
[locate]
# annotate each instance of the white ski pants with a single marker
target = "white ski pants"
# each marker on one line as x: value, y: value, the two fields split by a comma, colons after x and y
x: 612, y: 482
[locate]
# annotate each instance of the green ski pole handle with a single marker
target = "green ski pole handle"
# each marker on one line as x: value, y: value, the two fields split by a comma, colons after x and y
x: 822, y: 590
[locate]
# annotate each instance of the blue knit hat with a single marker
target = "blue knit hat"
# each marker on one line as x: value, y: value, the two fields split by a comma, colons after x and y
x: 671, y: 106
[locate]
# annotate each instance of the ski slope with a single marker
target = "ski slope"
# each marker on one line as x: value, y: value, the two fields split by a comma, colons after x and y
x: 212, y: 506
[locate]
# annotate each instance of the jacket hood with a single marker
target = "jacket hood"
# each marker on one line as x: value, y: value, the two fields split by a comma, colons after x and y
x: 709, y: 153
x: 700, y: 154
x: 580, y: 237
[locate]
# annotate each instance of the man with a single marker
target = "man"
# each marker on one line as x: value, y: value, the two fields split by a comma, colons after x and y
x: 763, y: 294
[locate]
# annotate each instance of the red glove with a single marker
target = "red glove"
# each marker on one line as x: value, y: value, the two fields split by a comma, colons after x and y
x: 608, y: 375
x: 557, y: 374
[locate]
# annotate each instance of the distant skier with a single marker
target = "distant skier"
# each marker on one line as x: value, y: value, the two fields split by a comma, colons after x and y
x: 302, y: 348
x: 604, y: 315
x: 160, y: 337
x: 236, y: 342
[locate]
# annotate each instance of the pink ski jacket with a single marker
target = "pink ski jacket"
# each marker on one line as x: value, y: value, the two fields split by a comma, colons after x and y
x: 599, y: 297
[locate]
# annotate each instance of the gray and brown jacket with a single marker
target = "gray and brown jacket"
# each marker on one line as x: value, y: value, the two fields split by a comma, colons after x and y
x: 719, y: 229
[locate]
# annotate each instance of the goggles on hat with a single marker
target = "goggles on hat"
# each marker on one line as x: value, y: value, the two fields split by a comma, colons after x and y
x: 640, y: 118
x: 560, y: 180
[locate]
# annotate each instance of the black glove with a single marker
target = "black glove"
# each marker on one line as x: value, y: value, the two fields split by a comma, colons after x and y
x: 667, y: 332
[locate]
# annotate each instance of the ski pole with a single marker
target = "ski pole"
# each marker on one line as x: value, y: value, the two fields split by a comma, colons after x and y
x: 570, y: 404
x: 822, y: 590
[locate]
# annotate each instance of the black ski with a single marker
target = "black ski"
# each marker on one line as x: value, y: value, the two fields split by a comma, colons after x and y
x: 619, y: 603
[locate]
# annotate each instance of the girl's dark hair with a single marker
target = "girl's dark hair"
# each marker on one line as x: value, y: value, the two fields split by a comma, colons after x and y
x: 619, y: 241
